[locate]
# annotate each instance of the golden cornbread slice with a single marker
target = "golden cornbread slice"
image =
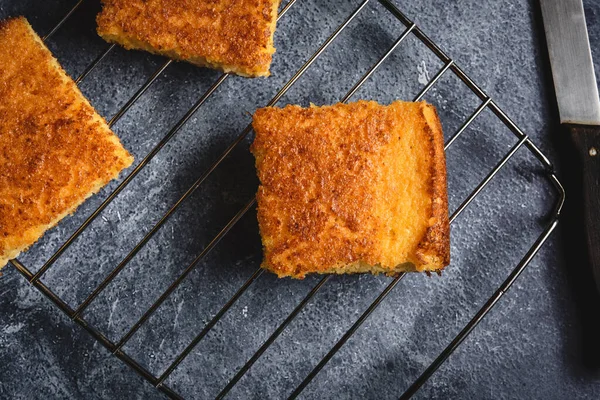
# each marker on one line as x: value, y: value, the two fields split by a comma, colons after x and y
x: 351, y: 188
x: 229, y: 35
x: 55, y: 150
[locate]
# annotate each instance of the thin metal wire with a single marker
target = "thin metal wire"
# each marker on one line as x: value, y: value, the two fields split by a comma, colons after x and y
x: 132, y: 99
x: 94, y: 64
x: 482, y: 312
x: 489, y: 304
x: 461, y: 208
x: 210, y: 325
x: 185, y: 273
x: 317, y: 287
x: 214, y: 166
x: 243, y: 212
x: 448, y: 64
x: 374, y: 68
x: 433, y: 81
x: 524, y: 139
x: 347, y: 335
x: 97, y: 335
x: 273, y: 337
x: 139, y: 93
x: 141, y: 165
x: 519, y: 133
x: 169, y: 392
x: 129, y: 178
x: 43, y: 288
x: 62, y: 21
x: 487, y: 179
x: 514, y: 128
x: 482, y: 95
x: 474, y: 87
x: 464, y: 126
x: 338, y: 345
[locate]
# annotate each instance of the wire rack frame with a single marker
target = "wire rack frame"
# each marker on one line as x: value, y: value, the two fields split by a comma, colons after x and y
x: 159, y: 381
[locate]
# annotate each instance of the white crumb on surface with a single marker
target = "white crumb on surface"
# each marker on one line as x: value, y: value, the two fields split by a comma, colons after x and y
x: 10, y: 329
x: 179, y: 308
x: 423, y: 73
x: 112, y: 311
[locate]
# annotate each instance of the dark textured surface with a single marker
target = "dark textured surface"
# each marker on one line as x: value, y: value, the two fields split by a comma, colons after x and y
x: 526, y: 348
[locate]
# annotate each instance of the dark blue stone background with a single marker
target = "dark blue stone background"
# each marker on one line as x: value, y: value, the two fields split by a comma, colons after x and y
x: 529, y: 345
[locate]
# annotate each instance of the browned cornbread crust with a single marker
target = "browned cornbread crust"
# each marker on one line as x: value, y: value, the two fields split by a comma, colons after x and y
x: 55, y: 150
x: 230, y: 35
x: 348, y: 188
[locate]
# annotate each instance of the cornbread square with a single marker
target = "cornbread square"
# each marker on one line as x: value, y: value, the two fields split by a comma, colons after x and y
x: 351, y: 188
x: 55, y: 150
x: 229, y: 35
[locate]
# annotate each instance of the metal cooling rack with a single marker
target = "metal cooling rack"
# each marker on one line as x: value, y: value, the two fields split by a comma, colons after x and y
x: 159, y: 381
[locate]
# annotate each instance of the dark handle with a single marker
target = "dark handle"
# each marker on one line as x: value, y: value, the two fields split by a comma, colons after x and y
x: 587, y: 144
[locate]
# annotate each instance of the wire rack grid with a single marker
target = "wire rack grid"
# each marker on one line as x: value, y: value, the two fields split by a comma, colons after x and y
x: 117, y: 347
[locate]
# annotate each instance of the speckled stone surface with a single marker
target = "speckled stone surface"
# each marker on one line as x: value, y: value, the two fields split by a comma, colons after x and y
x: 526, y: 348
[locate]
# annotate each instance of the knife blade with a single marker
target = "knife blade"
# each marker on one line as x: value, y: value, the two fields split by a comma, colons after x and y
x: 571, y: 61
x: 579, y: 107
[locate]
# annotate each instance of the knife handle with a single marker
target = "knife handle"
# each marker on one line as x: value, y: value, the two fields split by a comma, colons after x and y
x: 587, y: 143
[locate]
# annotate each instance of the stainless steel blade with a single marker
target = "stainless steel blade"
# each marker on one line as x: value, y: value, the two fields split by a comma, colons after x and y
x: 571, y: 61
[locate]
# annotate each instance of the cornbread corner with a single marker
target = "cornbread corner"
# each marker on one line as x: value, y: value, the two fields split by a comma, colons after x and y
x: 351, y: 188
x: 232, y: 36
x: 55, y: 150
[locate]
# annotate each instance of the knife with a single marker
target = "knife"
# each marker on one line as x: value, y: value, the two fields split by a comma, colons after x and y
x: 578, y: 105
